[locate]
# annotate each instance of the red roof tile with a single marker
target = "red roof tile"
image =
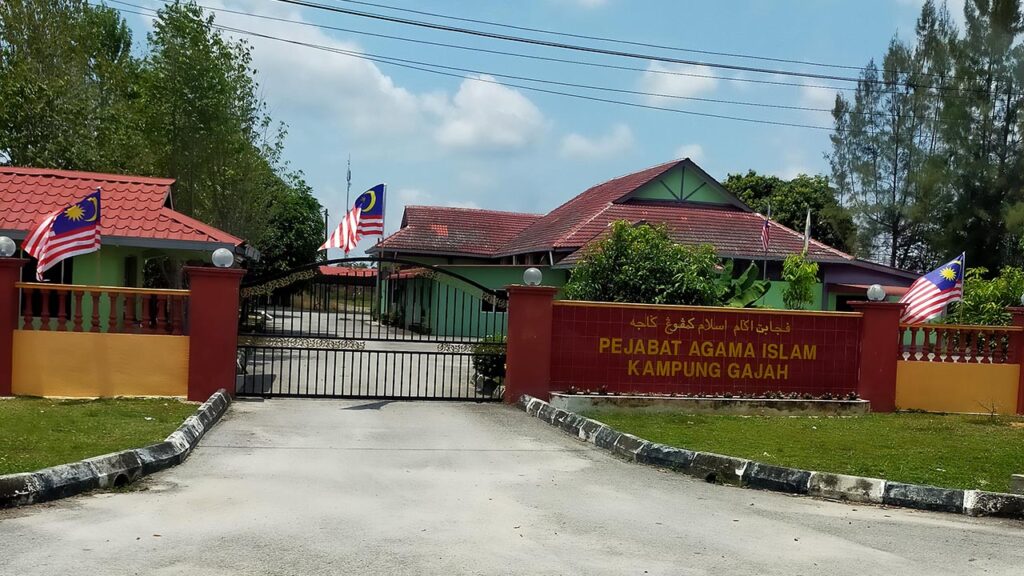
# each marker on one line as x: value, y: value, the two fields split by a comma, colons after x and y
x: 465, y: 231
x: 733, y: 233
x: 554, y: 229
x: 348, y: 271
x: 133, y: 206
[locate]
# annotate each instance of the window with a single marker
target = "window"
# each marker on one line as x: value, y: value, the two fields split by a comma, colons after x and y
x: 486, y: 306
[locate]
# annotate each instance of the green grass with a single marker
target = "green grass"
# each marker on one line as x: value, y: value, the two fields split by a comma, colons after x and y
x: 36, y: 433
x: 973, y: 452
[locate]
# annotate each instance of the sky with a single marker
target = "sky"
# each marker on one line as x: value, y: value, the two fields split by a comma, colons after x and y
x: 472, y: 140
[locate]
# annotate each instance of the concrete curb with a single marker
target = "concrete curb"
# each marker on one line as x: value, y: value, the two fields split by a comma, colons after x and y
x: 745, y: 473
x: 116, y: 469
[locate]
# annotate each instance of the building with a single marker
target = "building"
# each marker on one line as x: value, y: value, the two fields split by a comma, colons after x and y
x: 138, y: 223
x: 493, y: 248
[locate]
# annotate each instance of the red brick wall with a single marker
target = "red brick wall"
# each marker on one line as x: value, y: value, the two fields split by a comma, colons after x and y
x: 688, y: 350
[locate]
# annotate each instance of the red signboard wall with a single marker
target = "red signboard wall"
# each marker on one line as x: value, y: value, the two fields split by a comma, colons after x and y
x: 697, y: 350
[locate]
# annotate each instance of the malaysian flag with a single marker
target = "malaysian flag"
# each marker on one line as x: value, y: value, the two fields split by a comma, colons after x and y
x: 929, y: 295
x: 68, y: 232
x: 371, y: 206
x: 765, y: 234
x: 346, y: 235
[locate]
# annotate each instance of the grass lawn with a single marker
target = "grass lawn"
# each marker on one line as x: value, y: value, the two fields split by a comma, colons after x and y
x: 36, y: 433
x: 974, y: 452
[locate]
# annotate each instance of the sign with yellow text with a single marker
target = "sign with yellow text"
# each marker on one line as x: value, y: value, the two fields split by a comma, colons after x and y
x: 691, y: 350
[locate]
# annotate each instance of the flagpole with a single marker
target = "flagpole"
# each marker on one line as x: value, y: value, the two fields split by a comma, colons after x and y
x: 348, y: 187
x: 380, y: 254
x: 764, y: 263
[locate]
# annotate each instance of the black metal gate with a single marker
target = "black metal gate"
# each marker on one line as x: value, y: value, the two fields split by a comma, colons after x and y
x: 371, y: 328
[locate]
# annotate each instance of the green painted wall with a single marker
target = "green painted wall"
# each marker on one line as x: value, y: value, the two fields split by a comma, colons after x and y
x: 773, y: 299
x: 456, y: 308
x: 678, y: 184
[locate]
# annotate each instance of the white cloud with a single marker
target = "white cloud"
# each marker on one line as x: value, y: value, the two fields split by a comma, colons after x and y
x: 355, y: 95
x: 670, y: 79
x: 694, y: 152
x: 577, y: 146
x: 817, y: 97
x: 486, y: 115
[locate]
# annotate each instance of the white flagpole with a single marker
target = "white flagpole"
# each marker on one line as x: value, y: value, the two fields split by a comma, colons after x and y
x: 807, y: 231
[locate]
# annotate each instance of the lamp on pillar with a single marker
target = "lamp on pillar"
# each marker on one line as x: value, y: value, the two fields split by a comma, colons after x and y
x: 10, y: 273
x: 879, y: 349
x: 213, y: 325
x: 528, y: 359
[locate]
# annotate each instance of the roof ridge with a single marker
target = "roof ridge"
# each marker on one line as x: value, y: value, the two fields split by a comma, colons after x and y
x: 82, y: 175
x: 434, y: 207
x: 509, y: 249
x: 621, y: 176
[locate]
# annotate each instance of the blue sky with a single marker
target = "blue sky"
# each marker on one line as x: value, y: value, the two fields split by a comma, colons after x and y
x: 455, y: 141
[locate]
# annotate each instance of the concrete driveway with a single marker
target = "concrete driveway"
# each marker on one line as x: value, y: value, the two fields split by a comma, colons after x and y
x: 347, y: 487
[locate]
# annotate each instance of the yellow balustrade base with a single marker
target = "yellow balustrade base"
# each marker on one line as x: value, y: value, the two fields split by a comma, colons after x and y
x: 949, y: 387
x: 86, y: 365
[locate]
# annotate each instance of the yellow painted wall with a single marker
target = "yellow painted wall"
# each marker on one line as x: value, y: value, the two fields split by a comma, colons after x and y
x: 75, y: 364
x: 948, y: 387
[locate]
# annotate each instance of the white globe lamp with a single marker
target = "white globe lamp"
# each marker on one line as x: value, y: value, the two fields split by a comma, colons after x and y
x: 7, y: 247
x: 876, y: 293
x: 532, y: 277
x: 223, y: 258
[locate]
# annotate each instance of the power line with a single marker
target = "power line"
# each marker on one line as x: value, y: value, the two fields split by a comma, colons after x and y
x: 555, y: 82
x: 506, y: 53
x: 429, y: 68
x: 548, y: 58
x: 562, y: 45
x: 539, y: 80
x: 595, y: 50
x: 603, y: 38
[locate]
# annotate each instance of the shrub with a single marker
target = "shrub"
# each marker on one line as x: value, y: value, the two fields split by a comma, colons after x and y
x: 641, y: 263
x: 489, y: 357
x: 801, y: 276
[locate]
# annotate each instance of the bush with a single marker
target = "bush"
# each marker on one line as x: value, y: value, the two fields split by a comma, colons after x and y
x: 985, y: 300
x: 801, y: 276
x: 641, y: 263
x: 489, y: 357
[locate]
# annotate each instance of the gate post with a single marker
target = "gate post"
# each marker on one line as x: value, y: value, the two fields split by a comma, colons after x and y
x: 10, y: 273
x: 213, y: 330
x: 528, y: 369
x: 879, y: 353
x: 1017, y: 340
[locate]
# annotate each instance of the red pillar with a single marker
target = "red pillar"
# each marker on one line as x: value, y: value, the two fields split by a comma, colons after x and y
x: 1018, y: 340
x: 213, y: 330
x: 879, y: 352
x: 10, y: 273
x: 528, y: 367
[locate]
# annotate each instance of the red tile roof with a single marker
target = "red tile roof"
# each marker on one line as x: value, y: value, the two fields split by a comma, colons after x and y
x: 348, y: 271
x: 456, y: 231
x: 733, y: 233
x: 556, y: 229
x: 132, y: 206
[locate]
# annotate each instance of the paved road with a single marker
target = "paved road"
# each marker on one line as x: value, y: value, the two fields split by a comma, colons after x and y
x: 346, y: 487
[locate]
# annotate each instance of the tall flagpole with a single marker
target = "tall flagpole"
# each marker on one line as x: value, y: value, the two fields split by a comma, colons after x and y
x: 348, y: 189
x: 768, y: 240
